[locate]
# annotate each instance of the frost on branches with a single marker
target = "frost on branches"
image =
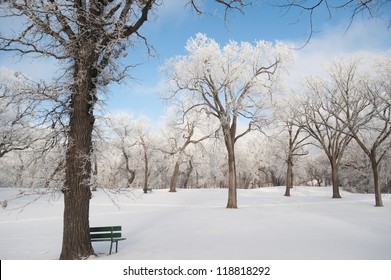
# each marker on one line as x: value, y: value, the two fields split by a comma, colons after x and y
x: 230, y: 82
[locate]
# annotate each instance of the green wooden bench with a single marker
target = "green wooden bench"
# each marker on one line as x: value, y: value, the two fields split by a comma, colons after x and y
x: 147, y: 190
x: 108, y: 233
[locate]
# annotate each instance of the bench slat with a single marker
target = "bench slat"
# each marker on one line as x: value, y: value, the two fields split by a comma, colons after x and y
x: 102, y: 229
x: 105, y: 235
x: 108, y: 239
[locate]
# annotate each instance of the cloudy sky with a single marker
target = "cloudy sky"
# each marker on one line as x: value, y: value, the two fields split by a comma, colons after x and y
x: 173, y: 24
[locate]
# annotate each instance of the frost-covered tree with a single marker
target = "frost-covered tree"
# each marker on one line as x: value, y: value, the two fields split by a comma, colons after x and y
x: 352, y: 103
x: 25, y: 107
x: 356, y: 170
x: 320, y: 115
x: 317, y: 169
x: 294, y: 149
x: 366, y: 105
x: 182, y: 129
x: 89, y: 38
x: 147, y: 147
x: 260, y: 161
x: 230, y: 82
x: 30, y: 121
x: 125, y: 150
x: 293, y: 138
x: 124, y: 131
x: 12, y: 115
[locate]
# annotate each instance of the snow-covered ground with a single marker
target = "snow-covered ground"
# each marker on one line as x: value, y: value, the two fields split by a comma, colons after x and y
x: 194, y: 224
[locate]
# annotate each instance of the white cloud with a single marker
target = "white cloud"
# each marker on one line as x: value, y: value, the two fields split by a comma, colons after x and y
x: 337, y: 41
x: 172, y: 12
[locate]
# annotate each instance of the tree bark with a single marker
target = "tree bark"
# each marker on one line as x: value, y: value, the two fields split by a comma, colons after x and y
x: 174, y: 178
x: 372, y: 155
x: 76, y: 239
x: 335, y: 179
x: 131, y: 174
x: 146, y: 168
x: 232, y: 182
x: 377, y: 189
x: 289, y: 176
x: 77, y: 194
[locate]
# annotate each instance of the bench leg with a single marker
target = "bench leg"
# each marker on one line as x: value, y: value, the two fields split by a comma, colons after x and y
x: 111, y: 246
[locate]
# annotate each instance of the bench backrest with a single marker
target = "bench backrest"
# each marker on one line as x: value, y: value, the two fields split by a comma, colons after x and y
x: 105, y: 232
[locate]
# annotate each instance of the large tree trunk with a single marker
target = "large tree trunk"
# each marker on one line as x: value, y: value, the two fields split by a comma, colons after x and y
x: 335, y: 179
x: 232, y: 183
x: 76, y: 238
x: 377, y: 189
x: 174, y: 178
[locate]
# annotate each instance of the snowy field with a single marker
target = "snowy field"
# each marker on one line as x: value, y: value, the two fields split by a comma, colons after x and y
x: 194, y: 224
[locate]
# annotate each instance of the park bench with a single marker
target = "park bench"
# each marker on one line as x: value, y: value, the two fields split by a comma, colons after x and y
x: 147, y: 190
x: 108, y: 233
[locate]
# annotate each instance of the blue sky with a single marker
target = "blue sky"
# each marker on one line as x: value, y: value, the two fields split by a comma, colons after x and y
x: 176, y: 24
x: 173, y: 24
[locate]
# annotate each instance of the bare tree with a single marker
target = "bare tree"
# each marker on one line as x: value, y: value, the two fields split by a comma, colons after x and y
x: 353, y: 104
x: 125, y: 131
x: 178, y: 149
x: 320, y: 115
x: 317, y: 171
x: 184, y: 128
x: 228, y: 83
x: 295, y: 136
x: 26, y: 106
x: 89, y: 37
x: 366, y: 107
x: 294, y: 149
x: 116, y: 146
x: 146, y: 145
